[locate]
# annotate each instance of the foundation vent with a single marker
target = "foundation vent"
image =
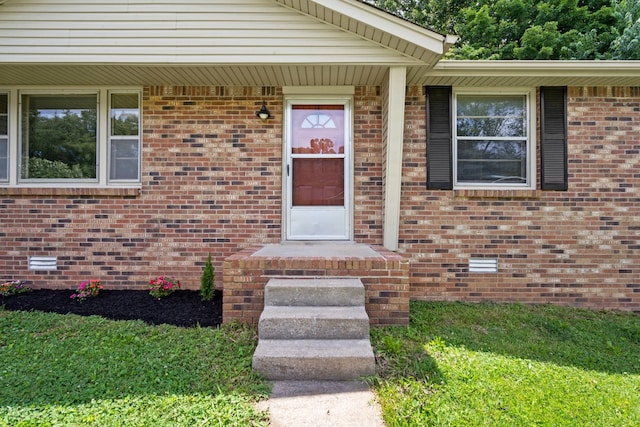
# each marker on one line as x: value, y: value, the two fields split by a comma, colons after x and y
x: 483, y: 265
x: 43, y: 263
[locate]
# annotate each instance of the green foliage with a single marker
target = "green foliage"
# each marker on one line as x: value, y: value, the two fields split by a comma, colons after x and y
x: 13, y: 287
x: 163, y: 286
x: 87, y: 289
x: 43, y: 168
x: 67, y: 137
x: 125, y: 125
x: 627, y: 43
x: 88, y: 371
x: 206, y: 281
x: 530, y: 29
x: 509, y: 364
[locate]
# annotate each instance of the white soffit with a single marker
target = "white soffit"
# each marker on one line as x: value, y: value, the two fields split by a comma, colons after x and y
x: 191, y: 75
x: 533, y: 73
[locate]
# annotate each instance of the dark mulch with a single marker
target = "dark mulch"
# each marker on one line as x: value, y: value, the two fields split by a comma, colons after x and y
x: 182, y: 308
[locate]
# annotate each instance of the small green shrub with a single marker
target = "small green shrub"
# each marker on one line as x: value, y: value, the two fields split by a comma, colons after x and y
x: 206, y: 281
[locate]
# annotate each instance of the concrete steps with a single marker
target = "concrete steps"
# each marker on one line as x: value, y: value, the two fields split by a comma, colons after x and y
x: 314, y: 329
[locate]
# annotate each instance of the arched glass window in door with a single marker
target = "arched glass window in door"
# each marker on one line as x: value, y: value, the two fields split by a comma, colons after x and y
x: 318, y: 120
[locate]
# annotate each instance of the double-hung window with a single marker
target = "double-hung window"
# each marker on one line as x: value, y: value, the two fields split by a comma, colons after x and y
x: 486, y: 138
x: 492, y: 137
x: 124, y: 137
x: 70, y: 137
x: 4, y: 137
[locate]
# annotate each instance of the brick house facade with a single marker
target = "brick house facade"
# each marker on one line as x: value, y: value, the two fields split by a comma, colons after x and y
x: 211, y: 173
x: 212, y: 184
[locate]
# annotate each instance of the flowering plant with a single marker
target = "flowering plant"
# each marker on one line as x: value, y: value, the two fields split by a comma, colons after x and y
x: 13, y: 287
x: 87, y: 289
x: 163, y: 286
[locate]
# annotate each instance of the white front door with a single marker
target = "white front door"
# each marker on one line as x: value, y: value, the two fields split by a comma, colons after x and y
x: 318, y: 169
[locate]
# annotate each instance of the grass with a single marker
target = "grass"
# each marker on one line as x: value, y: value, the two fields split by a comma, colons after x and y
x: 455, y: 365
x: 88, y: 371
x: 509, y: 365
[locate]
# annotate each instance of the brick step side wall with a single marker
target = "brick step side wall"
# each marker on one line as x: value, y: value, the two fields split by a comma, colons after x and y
x: 386, y: 281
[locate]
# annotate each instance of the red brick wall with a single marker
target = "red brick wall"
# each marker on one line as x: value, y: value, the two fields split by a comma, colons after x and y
x: 579, y: 247
x: 212, y: 183
x: 367, y: 159
x: 385, y: 278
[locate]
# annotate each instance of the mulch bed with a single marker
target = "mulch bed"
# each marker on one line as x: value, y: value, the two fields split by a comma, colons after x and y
x: 182, y: 308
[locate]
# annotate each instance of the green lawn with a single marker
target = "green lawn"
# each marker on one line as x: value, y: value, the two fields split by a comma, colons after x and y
x: 456, y: 365
x: 509, y: 365
x: 87, y: 371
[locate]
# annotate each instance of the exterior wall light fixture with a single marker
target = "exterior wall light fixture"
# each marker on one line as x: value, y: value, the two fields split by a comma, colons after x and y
x: 263, y: 112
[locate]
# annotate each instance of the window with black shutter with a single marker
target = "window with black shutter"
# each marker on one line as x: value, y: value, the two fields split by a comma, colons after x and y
x: 484, y: 138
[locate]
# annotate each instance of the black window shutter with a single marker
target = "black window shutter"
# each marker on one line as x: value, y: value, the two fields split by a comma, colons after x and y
x: 439, y: 143
x: 553, y: 149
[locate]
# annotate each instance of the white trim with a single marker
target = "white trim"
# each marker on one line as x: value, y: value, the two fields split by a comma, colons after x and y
x: 102, y: 154
x: 392, y: 25
x: 537, y: 68
x: 14, y: 124
x: 320, y: 97
x: 530, y: 94
x: 62, y: 182
x: 110, y: 138
x: 394, y: 143
x: 532, y: 73
x: 321, y: 91
x: 9, y: 126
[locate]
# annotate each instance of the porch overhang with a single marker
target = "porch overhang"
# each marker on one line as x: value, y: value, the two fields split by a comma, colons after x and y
x: 138, y: 74
x: 532, y: 73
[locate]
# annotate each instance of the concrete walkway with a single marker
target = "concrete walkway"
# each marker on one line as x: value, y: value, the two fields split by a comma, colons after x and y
x: 322, y: 404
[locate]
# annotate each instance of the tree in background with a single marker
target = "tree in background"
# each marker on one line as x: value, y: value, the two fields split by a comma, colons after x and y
x: 627, y: 43
x: 529, y: 29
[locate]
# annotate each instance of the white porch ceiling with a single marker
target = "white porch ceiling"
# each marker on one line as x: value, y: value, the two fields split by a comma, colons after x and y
x: 196, y: 75
x: 449, y: 73
x: 532, y: 73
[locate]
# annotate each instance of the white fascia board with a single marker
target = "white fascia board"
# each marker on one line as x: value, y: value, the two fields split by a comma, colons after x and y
x: 390, y: 24
x: 536, y: 68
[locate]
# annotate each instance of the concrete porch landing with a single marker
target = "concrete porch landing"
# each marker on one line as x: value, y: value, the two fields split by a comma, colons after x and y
x: 384, y: 274
x: 317, y: 249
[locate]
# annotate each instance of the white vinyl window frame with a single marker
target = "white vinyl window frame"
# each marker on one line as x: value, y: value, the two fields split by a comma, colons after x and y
x: 4, y: 136
x: 530, y: 130
x: 103, y: 138
x: 115, y: 138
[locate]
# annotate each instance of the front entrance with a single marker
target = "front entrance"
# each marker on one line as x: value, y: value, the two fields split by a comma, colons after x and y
x: 318, y: 169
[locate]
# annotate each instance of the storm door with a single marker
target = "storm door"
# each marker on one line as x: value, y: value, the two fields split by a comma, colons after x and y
x: 317, y: 170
